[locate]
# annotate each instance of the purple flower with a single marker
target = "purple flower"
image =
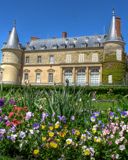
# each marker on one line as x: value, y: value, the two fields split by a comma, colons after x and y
x: 124, y: 113
x: 93, y: 118
x: 12, y: 101
x: 13, y: 137
x: 111, y: 114
x: 36, y: 126
x: 44, y: 116
x: 53, y: 115
x: 2, y: 131
x: 96, y: 114
x: 1, y: 102
x: 62, y: 118
x: 73, y: 131
x: 12, y: 129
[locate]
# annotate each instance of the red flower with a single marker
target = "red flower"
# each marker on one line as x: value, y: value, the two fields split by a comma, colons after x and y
x: 11, y: 114
x: 15, y: 122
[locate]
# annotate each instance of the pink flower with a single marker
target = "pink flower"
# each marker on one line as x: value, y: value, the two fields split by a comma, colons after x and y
x: 28, y: 115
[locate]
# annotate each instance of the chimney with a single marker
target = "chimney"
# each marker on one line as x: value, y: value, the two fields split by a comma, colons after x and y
x: 34, y: 38
x: 118, y: 26
x: 64, y: 34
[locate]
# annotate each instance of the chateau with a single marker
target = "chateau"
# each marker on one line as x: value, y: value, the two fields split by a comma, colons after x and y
x: 84, y: 60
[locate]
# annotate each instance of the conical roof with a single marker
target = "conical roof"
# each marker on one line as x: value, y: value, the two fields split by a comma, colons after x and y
x: 112, y: 33
x: 13, y: 40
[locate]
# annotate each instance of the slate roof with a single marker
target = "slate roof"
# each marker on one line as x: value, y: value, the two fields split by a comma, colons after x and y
x: 61, y: 43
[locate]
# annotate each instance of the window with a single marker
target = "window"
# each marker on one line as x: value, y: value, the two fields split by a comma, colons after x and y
x: 39, y: 59
x: 81, y: 77
x: 81, y: 57
x: 68, y: 58
x: 119, y: 54
x: 72, y: 45
x: 109, y: 79
x: 95, y: 76
x: 38, y: 77
x: 25, y: 76
x: 94, y: 57
x: 55, y: 46
x: 51, y: 59
x: 68, y: 75
x: 27, y: 59
x: 50, y: 77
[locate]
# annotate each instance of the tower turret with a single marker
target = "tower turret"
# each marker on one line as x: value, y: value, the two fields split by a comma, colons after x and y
x: 11, y: 59
x: 114, y: 56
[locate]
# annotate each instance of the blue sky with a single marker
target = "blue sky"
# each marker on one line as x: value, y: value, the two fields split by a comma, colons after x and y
x: 48, y: 18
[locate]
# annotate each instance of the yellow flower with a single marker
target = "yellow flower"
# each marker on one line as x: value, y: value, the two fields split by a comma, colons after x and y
x: 87, y: 152
x: 57, y: 125
x: 53, y: 144
x: 97, y: 139
x: 62, y: 134
x: 83, y: 137
x: 69, y: 141
x: 43, y: 126
x: 43, y: 138
x: 77, y: 132
x: 94, y: 130
x: 51, y: 128
x: 36, y: 152
x: 58, y: 140
x: 51, y: 134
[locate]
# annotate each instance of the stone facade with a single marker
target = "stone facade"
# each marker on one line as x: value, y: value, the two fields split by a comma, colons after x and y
x: 87, y: 60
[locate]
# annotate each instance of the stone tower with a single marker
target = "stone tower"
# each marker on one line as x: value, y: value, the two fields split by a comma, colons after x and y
x: 114, y: 64
x: 11, y: 60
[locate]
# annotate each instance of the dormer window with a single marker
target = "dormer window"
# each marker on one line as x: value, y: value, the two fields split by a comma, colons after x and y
x: 63, y: 45
x: 66, y: 41
x: 55, y: 46
x: 84, y: 44
x: 43, y: 46
x: 32, y: 47
x: 75, y: 40
x: 71, y: 45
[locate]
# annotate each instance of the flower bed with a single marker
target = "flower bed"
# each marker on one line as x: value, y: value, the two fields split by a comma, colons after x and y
x: 101, y: 135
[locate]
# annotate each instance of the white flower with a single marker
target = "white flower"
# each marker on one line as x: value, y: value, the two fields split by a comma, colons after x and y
x: 121, y: 139
x: 31, y: 131
x: 122, y: 147
x: 117, y: 156
x: 84, y: 147
x: 112, y: 136
x: 69, y: 141
x: 22, y: 134
x: 117, y: 141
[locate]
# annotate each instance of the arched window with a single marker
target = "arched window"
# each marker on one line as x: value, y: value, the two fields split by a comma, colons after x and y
x: 68, y: 75
x: 94, y: 76
x: 81, y: 76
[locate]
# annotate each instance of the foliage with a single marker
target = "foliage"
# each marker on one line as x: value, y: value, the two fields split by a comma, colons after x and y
x: 60, y: 124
